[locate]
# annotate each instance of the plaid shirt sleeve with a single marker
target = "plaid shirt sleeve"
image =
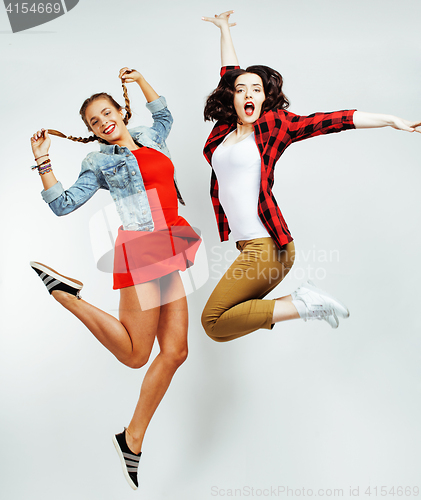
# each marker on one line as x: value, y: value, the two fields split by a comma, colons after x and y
x: 303, y: 127
x: 224, y: 69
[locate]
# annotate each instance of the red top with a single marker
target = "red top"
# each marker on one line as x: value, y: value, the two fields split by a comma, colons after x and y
x: 274, y: 131
x: 158, y: 177
x: 142, y: 256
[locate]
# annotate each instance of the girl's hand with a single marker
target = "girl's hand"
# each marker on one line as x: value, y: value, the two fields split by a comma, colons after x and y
x: 129, y: 75
x: 40, y: 143
x: 406, y: 125
x: 221, y: 20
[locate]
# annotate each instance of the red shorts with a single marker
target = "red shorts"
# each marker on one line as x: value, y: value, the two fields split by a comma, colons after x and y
x: 141, y: 256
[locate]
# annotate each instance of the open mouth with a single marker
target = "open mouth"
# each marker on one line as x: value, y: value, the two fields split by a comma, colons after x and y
x: 249, y: 108
x: 110, y: 129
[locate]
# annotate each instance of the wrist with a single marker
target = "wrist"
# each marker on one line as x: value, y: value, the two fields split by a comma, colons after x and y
x: 225, y: 29
x: 40, y: 157
x: 390, y: 120
x: 43, y: 165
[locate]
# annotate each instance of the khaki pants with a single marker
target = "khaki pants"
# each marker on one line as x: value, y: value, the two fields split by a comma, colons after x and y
x: 235, y: 307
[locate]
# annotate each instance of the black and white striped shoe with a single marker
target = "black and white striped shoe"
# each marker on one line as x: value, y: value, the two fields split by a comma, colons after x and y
x: 56, y: 281
x: 129, y: 460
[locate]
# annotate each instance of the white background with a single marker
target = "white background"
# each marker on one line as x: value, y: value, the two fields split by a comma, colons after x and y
x: 301, y: 406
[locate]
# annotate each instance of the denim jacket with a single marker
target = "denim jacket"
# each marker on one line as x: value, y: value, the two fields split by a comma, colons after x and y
x: 116, y: 169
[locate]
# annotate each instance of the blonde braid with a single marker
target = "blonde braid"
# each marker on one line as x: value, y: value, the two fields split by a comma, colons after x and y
x: 127, y: 101
x: 85, y: 140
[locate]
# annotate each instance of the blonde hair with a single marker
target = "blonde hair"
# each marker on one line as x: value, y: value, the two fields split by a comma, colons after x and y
x: 87, y: 102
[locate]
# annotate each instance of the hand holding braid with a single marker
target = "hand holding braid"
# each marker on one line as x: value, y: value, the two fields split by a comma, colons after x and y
x: 134, y: 76
x: 131, y: 75
x: 40, y: 143
x: 128, y: 76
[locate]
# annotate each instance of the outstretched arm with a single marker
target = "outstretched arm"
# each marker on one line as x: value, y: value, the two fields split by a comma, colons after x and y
x: 374, y: 120
x: 131, y: 75
x: 228, y: 55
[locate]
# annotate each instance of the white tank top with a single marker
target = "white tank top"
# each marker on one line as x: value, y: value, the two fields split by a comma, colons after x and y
x: 237, y: 168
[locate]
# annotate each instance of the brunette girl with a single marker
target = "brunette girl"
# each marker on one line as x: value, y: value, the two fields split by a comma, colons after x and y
x: 153, y: 245
x: 252, y: 131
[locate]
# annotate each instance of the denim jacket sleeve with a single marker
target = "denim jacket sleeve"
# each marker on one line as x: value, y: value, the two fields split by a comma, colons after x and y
x: 62, y: 202
x: 162, y: 118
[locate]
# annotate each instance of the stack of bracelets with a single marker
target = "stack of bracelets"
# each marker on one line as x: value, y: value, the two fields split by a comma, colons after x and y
x: 44, y: 167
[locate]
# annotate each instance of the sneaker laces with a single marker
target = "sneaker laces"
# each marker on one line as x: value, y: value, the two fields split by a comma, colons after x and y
x: 313, y: 310
x: 318, y: 311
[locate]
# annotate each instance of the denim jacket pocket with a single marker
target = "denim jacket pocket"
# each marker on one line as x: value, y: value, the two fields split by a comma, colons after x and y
x: 117, y: 176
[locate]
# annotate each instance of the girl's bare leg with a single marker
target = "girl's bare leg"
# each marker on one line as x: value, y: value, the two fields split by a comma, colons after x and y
x: 284, y: 310
x: 130, y: 339
x: 172, y: 338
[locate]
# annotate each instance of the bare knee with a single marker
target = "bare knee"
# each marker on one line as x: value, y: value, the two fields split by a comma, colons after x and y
x: 136, y: 361
x: 175, y: 358
x: 179, y: 357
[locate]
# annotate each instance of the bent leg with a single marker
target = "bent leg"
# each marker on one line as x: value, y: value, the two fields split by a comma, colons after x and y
x: 235, y: 308
x: 172, y: 338
x: 130, y: 339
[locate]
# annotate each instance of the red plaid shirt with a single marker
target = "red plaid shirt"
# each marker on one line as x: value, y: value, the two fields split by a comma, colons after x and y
x: 274, y: 131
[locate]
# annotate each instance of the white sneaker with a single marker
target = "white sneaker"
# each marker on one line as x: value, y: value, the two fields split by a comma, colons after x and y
x: 320, y: 305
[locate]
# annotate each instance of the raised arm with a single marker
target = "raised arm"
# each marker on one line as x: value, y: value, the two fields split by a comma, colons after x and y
x: 40, y: 143
x: 131, y: 75
x: 374, y: 120
x: 228, y: 55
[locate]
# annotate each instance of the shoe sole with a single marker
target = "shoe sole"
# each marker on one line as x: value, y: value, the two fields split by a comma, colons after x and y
x: 342, y: 309
x: 78, y: 285
x: 123, y: 464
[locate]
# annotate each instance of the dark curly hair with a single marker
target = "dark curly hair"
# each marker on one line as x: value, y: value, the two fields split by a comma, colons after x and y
x: 220, y: 103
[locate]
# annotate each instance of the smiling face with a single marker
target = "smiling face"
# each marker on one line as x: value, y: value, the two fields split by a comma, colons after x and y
x: 249, y: 96
x: 106, y: 121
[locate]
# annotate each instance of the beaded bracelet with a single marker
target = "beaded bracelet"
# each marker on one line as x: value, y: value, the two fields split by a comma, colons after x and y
x: 44, y: 162
x: 35, y: 167
x: 44, y: 168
